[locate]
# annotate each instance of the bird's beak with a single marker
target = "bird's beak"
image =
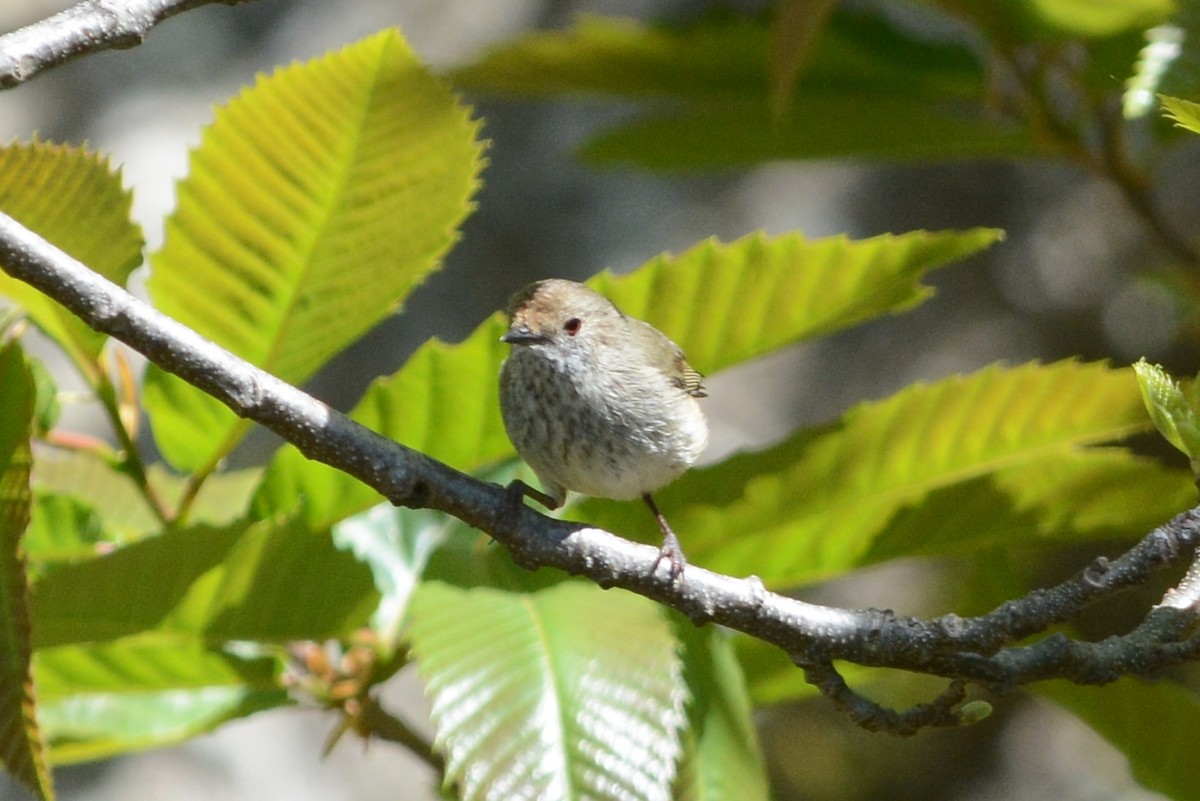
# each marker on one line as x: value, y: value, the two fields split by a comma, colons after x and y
x: 523, y: 335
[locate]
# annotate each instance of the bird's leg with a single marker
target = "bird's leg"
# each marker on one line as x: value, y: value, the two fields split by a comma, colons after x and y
x: 518, y: 488
x: 670, y: 549
x: 516, y: 492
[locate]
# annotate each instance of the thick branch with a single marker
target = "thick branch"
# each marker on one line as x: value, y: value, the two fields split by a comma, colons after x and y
x: 962, y: 649
x: 88, y: 27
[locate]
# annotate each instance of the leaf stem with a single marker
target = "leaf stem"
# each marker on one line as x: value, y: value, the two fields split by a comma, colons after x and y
x: 378, y: 722
x: 129, y: 460
x: 1110, y: 160
x: 1117, y: 166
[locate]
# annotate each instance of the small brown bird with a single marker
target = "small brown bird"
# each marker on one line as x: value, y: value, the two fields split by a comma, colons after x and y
x: 598, y: 403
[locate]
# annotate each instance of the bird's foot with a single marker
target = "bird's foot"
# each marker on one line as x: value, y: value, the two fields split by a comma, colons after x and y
x: 672, y: 554
x: 514, y: 500
x: 670, y: 549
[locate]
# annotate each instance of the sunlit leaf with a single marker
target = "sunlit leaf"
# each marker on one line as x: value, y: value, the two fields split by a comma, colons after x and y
x: 100, y: 700
x: 728, y: 303
x: 73, y: 198
x: 1185, y: 113
x: 96, y: 484
x: 63, y: 529
x: 395, y: 544
x: 1089, y: 18
x: 816, y: 504
x: 21, y: 750
x: 316, y: 201
x: 1173, y: 416
x: 222, y: 499
x: 268, y: 582
x: 568, y: 692
x: 1022, y: 22
x: 444, y: 402
x: 46, y: 408
x: 1063, y: 496
x: 724, y: 303
x: 721, y: 753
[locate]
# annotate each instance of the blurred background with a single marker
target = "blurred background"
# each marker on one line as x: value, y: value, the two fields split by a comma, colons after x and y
x: 1068, y: 281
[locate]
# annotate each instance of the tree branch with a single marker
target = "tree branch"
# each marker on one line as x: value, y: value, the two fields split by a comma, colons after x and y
x: 973, y: 649
x: 941, y: 712
x: 89, y: 27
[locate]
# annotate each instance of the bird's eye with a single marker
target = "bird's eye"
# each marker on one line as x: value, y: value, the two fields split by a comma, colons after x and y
x: 573, y: 325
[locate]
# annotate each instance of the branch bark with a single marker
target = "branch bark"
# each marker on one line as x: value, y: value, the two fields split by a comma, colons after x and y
x: 963, y: 649
x: 89, y: 27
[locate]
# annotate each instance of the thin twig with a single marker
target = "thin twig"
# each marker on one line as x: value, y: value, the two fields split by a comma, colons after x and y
x: 1110, y: 161
x: 1116, y: 165
x: 941, y: 712
x: 88, y: 27
x: 130, y: 461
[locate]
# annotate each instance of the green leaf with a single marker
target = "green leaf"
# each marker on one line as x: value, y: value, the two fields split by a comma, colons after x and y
x: 63, y: 529
x: 94, y: 483
x: 74, y: 199
x: 728, y: 303
x: 108, y: 598
x: 315, y: 203
x: 732, y: 77
x: 46, y: 406
x: 719, y: 57
x: 1155, y: 725
x: 1064, y: 496
x: 21, y: 750
x: 721, y: 756
x: 568, y: 692
x: 1022, y: 22
x: 1185, y: 113
x: 1089, y: 18
x: 723, y: 304
x: 794, y: 31
x: 280, y: 582
x: 268, y: 582
x: 445, y: 402
x: 814, y: 505
x: 396, y: 544
x: 741, y: 134
x: 100, y: 700
x: 222, y: 499
x: 1169, y: 409
x: 716, y: 57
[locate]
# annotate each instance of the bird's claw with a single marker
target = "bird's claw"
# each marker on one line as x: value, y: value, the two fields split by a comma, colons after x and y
x: 673, y: 555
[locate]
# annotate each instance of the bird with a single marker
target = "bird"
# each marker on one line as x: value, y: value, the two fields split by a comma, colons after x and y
x: 598, y: 403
